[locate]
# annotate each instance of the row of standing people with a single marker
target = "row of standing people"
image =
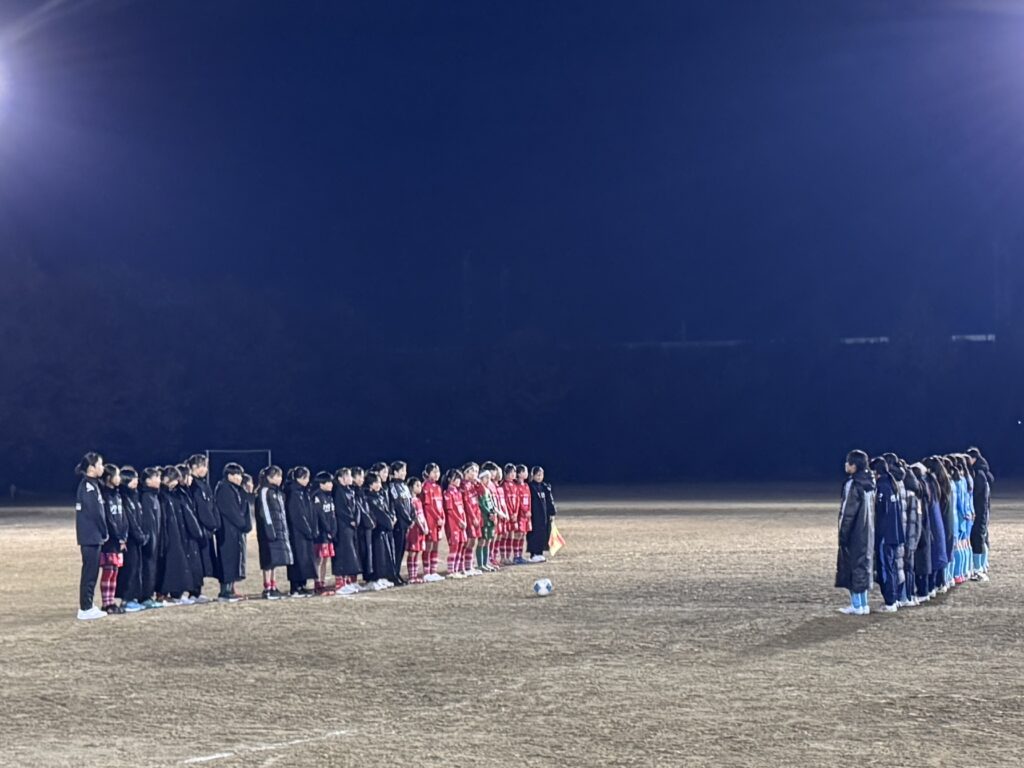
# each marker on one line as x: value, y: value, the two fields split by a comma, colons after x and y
x: 153, y: 540
x: 917, y: 530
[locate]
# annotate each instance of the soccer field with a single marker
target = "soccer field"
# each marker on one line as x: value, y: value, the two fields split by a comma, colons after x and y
x: 686, y: 628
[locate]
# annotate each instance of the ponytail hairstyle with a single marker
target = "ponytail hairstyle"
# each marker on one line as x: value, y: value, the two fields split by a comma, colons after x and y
x: 449, y: 476
x: 232, y: 468
x: 268, y: 472
x: 183, y: 472
x: 510, y: 471
x: 128, y: 474
x: 358, y: 472
x: 295, y: 474
x: 412, y: 482
x: 247, y: 478
x: 110, y: 472
x: 430, y: 468
x: 376, y: 467
x: 197, y: 460
x: 489, y: 467
x: 910, y: 479
x: 322, y: 478
x: 371, y: 478
x: 538, y: 469
x: 520, y: 468
x: 898, y: 473
x: 170, y: 474
x: 91, y: 459
x: 859, y: 459
x: 938, y: 472
x: 150, y: 472
x: 397, y: 466
x: 469, y: 465
x: 340, y: 473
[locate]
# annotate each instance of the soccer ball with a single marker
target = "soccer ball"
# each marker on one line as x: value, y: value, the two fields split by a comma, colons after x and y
x: 543, y: 587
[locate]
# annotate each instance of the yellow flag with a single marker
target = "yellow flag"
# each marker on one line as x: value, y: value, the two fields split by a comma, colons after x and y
x: 556, y: 542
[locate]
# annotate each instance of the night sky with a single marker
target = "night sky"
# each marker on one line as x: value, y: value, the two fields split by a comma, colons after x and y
x: 192, y: 192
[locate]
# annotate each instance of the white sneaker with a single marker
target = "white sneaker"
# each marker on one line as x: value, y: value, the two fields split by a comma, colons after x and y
x: 457, y: 575
x: 983, y: 576
x: 849, y: 610
x: 200, y: 599
x: 943, y: 589
x: 92, y: 613
x: 933, y: 594
x: 889, y: 608
x: 865, y: 611
x: 904, y: 603
x: 538, y: 559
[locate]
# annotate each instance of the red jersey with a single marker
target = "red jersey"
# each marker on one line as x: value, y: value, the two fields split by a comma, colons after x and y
x: 525, y: 516
x: 454, y: 511
x: 472, y: 490
x: 511, y: 498
x: 416, y: 534
x: 433, y: 505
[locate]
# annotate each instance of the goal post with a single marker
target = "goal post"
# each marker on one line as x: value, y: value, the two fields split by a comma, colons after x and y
x: 252, y: 459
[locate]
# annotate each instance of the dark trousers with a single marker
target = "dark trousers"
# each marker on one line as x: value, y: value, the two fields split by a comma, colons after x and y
x: 150, y: 556
x: 399, y: 534
x: 888, y: 566
x: 90, y: 573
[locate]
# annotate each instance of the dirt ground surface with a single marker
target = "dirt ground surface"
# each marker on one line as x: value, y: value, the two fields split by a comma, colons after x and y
x: 687, y: 628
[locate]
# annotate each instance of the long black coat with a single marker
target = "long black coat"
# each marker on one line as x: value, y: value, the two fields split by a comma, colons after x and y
x: 364, y: 535
x: 176, y: 569
x: 542, y: 509
x: 983, y: 480
x: 302, y: 530
x: 235, y: 521
x: 346, y: 530
x: 195, y: 537
x: 129, y: 578
x: 152, y: 521
x: 209, y: 518
x: 855, y: 563
x: 272, y: 528
x: 384, y: 566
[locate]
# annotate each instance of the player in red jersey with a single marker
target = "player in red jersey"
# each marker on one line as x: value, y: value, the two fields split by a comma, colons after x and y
x: 455, y: 524
x: 433, y: 510
x: 471, y: 493
x: 513, y: 501
x: 525, y: 514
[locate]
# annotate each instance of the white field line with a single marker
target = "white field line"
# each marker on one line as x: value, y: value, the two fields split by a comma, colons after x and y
x: 247, y: 748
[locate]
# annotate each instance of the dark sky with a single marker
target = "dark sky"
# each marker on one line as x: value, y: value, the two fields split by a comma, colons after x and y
x: 650, y: 163
x: 431, y: 172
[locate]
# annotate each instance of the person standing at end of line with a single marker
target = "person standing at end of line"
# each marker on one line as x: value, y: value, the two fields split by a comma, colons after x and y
x: 855, y: 561
x: 90, y: 532
x: 983, y: 480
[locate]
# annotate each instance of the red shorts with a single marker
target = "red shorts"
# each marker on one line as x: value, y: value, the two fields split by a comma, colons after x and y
x: 414, y: 539
x: 433, y: 533
x: 115, y: 559
x: 525, y: 523
x: 326, y: 549
x: 473, y: 531
x: 456, y: 540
